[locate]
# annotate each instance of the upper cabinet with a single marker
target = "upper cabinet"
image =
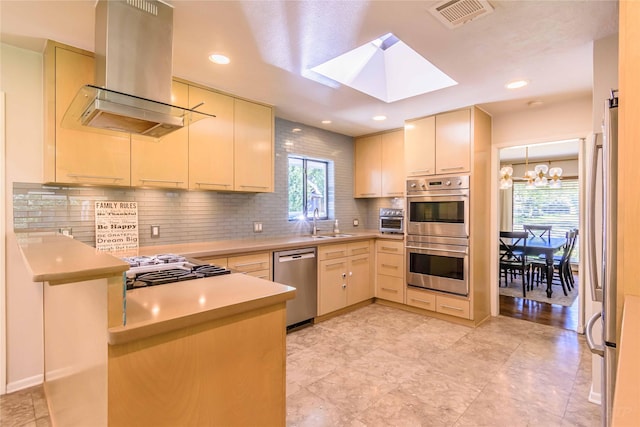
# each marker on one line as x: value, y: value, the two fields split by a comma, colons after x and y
x: 75, y: 156
x: 253, y: 147
x: 232, y: 152
x: 378, y: 165
x: 211, y: 142
x: 163, y: 162
x: 438, y: 144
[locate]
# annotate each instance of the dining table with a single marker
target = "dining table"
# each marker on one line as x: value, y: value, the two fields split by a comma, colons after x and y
x: 546, y: 246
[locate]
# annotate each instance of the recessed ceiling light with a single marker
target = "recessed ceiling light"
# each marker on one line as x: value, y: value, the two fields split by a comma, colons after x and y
x: 219, y: 59
x: 326, y: 122
x: 535, y: 103
x: 296, y: 130
x: 516, y: 84
x: 379, y: 118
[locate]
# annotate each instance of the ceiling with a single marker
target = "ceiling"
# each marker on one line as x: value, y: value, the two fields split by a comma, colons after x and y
x: 272, y: 43
x: 541, y: 152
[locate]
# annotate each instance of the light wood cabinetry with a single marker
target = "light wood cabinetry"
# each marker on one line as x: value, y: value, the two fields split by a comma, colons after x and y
x: 420, y: 146
x: 163, y: 162
x: 453, y: 142
x: 390, y: 283
x: 258, y: 264
x: 439, y: 144
x: 444, y: 304
x: 211, y: 142
x: 253, y: 147
x: 70, y: 155
x: 344, y: 275
x: 378, y: 165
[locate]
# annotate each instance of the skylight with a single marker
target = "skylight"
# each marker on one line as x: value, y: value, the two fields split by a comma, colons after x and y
x: 387, y: 69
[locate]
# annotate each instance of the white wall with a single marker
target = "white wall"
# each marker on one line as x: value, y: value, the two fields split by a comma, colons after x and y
x: 21, y: 80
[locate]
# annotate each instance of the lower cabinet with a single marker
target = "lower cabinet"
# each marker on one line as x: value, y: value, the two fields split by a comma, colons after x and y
x: 258, y: 264
x: 344, y: 275
x: 444, y: 304
x: 390, y: 284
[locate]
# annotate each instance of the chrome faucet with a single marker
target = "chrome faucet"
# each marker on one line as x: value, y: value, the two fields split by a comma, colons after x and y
x: 314, y: 229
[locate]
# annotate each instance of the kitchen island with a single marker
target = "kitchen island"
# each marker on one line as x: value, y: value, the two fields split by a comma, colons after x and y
x: 204, y: 352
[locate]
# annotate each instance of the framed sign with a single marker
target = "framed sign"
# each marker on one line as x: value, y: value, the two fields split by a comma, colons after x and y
x: 116, y: 226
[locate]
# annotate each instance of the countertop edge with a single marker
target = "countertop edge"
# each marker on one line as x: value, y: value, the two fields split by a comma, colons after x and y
x: 57, y: 259
x: 124, y: 334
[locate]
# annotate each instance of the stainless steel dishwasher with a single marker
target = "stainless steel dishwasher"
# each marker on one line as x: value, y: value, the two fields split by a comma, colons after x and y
x: 298, y: 268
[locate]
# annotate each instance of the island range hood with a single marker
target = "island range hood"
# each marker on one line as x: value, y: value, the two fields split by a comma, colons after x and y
x: 133, y: 59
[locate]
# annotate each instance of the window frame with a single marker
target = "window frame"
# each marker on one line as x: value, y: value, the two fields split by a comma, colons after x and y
x: 306, y: 215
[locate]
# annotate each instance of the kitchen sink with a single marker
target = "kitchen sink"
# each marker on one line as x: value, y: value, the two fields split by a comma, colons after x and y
x: 332, y: 236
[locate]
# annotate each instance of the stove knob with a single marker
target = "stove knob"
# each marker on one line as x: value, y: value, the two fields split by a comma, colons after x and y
x: 423, y: 185
x: 447, y: 183
x: 413, y: 185
x: 459, y: 182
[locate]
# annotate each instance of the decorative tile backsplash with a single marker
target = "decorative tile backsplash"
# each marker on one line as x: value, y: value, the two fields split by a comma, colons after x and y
x: 190, y: 216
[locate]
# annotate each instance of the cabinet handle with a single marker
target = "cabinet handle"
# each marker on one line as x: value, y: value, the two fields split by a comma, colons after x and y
x: 246, y: 264
x: 213, y: 183
x: 386, y: 248
x: 450, y: 307
x: 351, y: 274
x: 420, y: 171
x: 77, y: 175
x: 457, y: 168
x: 421, y: 300
x: 344, y: 286
x: 395, y: 291
x: 344, y: 276
x: 359, y: 251
x: 164, y: 181
x: 334, y: 252
x: 367, y: 194
x: 253, y: 186
x: 399, y: 193
x: 390, y: 266
x: 335, y: 263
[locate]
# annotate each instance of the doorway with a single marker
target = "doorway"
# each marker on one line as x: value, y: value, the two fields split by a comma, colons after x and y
x: 552, y: 197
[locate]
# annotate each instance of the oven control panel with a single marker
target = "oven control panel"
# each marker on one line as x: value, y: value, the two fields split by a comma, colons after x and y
x: 437, y: 183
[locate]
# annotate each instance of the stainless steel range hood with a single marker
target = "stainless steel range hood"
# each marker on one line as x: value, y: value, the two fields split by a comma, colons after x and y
x: 133, y: 52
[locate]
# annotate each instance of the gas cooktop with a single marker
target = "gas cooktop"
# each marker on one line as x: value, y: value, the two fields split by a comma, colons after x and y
x: 166, y: 268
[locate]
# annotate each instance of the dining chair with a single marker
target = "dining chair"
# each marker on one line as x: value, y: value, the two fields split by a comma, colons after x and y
x: 541, y: 231
x: 561, y: 265
x: 513, y: 248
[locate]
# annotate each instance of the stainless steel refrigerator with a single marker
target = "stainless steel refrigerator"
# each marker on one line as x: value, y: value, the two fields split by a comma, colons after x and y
x: 603, y: 282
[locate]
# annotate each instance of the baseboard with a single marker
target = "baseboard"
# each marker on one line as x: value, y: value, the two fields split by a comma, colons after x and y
x: 595, y: 397
x: 25, y: 383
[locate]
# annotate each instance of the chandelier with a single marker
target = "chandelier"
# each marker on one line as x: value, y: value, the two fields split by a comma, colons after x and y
x: 535, y: 178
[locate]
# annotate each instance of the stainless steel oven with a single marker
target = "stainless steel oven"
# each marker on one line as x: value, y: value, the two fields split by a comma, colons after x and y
x: 438, y: 206
x: 437, y: 247
x: 438, y: 263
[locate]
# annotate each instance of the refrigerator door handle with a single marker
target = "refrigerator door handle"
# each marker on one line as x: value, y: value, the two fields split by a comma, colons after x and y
x: 596, y: 289
x: 593, y: 347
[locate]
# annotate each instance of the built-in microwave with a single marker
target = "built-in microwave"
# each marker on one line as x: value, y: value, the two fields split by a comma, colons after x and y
x: 391, y: 220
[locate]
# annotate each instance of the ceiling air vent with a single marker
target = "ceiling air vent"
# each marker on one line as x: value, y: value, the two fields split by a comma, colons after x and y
x: 455, y: 13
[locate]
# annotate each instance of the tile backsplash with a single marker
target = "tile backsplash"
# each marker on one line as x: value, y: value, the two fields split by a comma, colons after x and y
x: 190, y: 216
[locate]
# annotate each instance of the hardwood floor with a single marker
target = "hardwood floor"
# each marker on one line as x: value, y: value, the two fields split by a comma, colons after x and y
x: 540, y: 312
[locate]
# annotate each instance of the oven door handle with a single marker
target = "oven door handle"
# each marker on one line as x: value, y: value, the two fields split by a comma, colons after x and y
x: 438, y: 195
x: 429, y: 248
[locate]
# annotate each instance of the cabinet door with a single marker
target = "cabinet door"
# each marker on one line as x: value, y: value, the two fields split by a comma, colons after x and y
x: 163, y: 162
x: 81, y: 156
x: 420, y: 146
x: 390, y: 288
x: 359, y: 279
x: 253, y: 147
x: 453, y: 142
x: 332, y: 286
x: 393, y: 174
x: 211, y: 142
x: 367, y: 166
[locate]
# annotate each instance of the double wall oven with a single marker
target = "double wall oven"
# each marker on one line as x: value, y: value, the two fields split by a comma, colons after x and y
x: 438, y: 233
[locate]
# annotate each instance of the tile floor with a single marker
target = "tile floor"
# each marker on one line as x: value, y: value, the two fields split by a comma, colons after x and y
x: 380, y: 366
